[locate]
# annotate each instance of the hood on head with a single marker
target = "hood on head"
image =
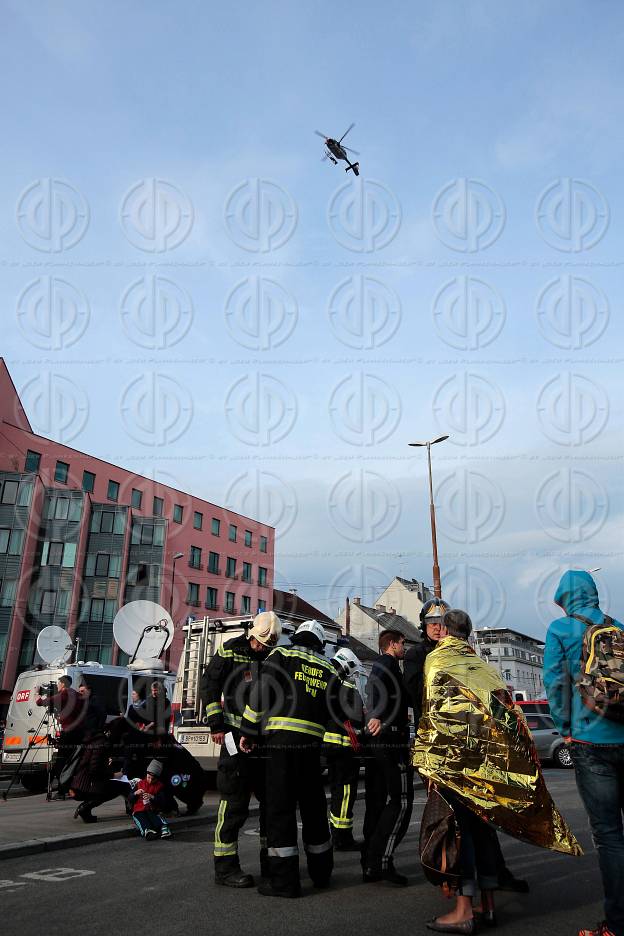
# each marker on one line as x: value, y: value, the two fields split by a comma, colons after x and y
x: 576, y: 591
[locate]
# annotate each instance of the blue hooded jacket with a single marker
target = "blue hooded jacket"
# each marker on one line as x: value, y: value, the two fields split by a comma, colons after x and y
x: 577, y: 593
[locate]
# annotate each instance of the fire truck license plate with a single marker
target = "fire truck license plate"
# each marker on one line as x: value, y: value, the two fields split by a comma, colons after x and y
x: 10, y: 758
x: 194, y: 738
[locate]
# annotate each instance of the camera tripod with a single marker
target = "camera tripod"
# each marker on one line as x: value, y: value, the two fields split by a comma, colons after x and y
x: 45, y: 719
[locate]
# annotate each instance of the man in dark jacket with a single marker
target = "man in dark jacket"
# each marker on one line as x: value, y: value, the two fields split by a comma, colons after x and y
x: 290, y: 709
x: 69, y: 709
x: 596, y: 742
x: 225, y: 688
x: 388, y: 774
x: 95, y: 710
x: 431, y: 615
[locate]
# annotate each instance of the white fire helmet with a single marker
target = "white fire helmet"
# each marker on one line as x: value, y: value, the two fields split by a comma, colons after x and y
x: 312, y: 627
x: 266, y: 628
x: 347, y: 661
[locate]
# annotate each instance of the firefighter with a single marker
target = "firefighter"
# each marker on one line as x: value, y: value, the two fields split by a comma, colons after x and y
x: 290, y: 709
x: 225, y: 687
x: 388, y: 775
x: 342, y: 746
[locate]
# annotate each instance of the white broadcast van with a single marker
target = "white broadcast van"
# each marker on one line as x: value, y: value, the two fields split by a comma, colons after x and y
x: 29, y: 726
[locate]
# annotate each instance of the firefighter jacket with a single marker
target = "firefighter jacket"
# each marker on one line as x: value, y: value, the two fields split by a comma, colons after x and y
x: 227, y: 682
x: 289, y: 706
x: 345, y: 731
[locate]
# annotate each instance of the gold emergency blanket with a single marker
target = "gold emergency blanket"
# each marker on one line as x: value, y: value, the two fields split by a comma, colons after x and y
x: 474, y: 741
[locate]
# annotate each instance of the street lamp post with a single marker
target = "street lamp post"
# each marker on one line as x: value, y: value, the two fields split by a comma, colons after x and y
x: 437, y: 585
x: 174, y: 558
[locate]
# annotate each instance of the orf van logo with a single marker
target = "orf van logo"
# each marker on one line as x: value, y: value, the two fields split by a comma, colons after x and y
x: 23, y: 695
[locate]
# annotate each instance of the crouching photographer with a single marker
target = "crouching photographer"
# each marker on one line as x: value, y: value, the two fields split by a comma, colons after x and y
x: 68, y: 708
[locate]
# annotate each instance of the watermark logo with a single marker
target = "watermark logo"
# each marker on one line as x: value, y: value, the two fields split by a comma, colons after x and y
x: 156, y: 215
x: 52, y: 313
x: 571, y: 505
x: 260, y: 314
x: 468, y: 215
x: 156, y: 409
x: 362, y: 581
x: 156, y: 313
x: 364, y: 215
x: 545, y: 605
x: 260, y: 409
x: 572, y: 215
x: 471, y: 507
x: 468, y: 313
x: 52, y: 215
x: 260, y: 215
x: 364, y: 409
x: 364, y: 506
x: 59, y: 408
x: 470, y: 407
x: 364, y: 313
x: 469, y: 586
x: 572, y: 409
x: 572, y: 313
x: 266, y: 496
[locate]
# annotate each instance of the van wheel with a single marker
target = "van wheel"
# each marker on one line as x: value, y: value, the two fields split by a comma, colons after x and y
x: 35, y: 782
x: 562, y: 756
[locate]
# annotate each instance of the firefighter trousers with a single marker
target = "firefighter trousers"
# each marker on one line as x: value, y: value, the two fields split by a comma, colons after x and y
x: 238, y: 776
x: 344, y: 772
x: 389, y: 785
x: 293, y: 777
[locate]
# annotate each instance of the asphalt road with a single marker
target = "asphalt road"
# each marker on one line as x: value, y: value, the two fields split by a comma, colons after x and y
x: 167, y: 887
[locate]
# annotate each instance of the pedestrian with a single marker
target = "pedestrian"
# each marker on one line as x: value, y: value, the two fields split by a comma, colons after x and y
x: 155, y: 715
x: 388, y: 777
x: 92, y: 783
x: 596, y: 739
x: 290, y: 710
x: 342, y: 744
x: 225, y: 687
x: 94, y: 712
x: 474, y: 748
x: 68, y: 707
x: 148, y: 801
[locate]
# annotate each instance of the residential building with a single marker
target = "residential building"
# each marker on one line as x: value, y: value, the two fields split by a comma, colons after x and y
x: 406, y: 596
x: 366, y: 624
x: 518, y: 657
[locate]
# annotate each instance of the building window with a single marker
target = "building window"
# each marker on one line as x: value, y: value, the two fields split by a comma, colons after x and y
x: 7, y: 593
x: 137, y: 497
x: 48, y: 602
x: 195, y: 557
x: 248, y: 538
x: 246, y: 571
x: 230, y: 567
x: 25, y: 494
x: 211, y: 598
x: 157, y: 506
x: 262, y: 575
x: 198, y: 519
x: 97, y: 610
x: 4, y: 540
x: 263, y: 544
x: 33, y: 460
x: 9, y: 492
x: 15, y: 542
x: 113, y: 490
x: 213, y: 562
x: 102, y: 563
x: 177, y: 513
x: 232, y: 533
x: 215, y: 526
x: 52, y: 554
x: 192, y: 594
x: 229, y: 602
x: 261, y: 606
x: 245, y: 604
x: 88, y: 481
x: 61, y: 472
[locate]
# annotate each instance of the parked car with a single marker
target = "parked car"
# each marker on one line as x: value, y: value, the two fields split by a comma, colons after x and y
x: 535, y: 707
x: 548, y: 742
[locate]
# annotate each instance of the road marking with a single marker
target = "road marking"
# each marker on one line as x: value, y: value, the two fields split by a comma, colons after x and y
x: 4, y: 884
x: 55, y: 874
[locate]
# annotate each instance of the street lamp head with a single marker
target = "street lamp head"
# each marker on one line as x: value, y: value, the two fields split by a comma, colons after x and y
x: 431, y: 442
x: 177, y: 556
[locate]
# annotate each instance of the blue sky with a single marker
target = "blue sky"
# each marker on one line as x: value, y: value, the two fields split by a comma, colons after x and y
x: 515, y: 98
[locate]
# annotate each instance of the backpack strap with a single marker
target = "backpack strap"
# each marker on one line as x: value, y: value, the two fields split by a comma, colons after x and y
x: 607, y: 621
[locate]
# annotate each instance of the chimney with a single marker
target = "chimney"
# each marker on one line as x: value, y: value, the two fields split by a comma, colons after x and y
x: 356, y: 601
x: 380, y: 607
x: 391, y: 610
x: 348, y: 617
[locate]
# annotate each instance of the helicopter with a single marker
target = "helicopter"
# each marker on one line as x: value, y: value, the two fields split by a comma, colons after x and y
x: 335, y: 150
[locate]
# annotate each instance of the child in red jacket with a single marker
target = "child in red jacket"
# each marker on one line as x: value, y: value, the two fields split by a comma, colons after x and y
x: 148, y: 799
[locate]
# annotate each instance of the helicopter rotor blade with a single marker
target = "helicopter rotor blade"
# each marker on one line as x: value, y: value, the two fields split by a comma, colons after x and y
x: 345, y: 133
x: 318, y: 133
x: 355, y: 152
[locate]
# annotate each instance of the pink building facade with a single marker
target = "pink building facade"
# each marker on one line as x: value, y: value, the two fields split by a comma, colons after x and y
x: 80, y: 537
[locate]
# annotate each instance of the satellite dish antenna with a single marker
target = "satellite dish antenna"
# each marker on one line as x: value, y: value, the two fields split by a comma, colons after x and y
x: 143, y: 626
x: 54, y: 645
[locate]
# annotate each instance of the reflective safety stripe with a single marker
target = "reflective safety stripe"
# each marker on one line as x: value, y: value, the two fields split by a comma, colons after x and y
x: 338, y: 823
x: 288, y: 851
x: 295, y: 724
x: 346, y: 792
x: 213, y: 708
x: 318, y: 849
x: 223, y: 849
x: 304, y: 655
x: 232, y: 655
x: 250, y: 715
x: 332, y: 737
x: 387, y: 855
x: 232, y: 719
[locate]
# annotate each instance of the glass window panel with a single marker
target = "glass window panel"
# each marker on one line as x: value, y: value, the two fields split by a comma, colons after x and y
x: 119, y: 523
x: 198, y: 520
x: 159, y: 535
x: 55, y: 555
x: 97, y: 609
x: 263, y: 544
x: 230, y: 567
x: 9, y: 492
x: 25, y: 495
x: 48, y: 602
x: 215, y: 526
x: 229, y: 601
x: 248, y: 538
x: 7, y: 595
x: 75, y: 509
x: 106, y: 524
x: 62, y: 604
x: 213, y: 562
x: 69, y: 556
x: 177, y: 513
x: 137, y: 497
x: 61, y: 472
x: 90, y: 564
x: 96, y: 519
x: 88, y: 481
x: 62, y: 508
x: 101, y: 564
x: 44, y: 552
x: 112, y: 491
x: 157, y: 507
x: 245, y: 604
x: 110, y: 609
x: 32, y: 461
x: 147, y: 534
x: 114, y: 567
x: 4, y: 541
x: 232, y: 533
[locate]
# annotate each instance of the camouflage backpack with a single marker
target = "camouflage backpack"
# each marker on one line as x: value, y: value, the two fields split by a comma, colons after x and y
x: 601, y: 681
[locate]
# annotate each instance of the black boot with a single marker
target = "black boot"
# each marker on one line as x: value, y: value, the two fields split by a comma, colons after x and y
x: 230, y: 874
x: 85, y: 813
x: 283, y: 878
x: 344, y: 842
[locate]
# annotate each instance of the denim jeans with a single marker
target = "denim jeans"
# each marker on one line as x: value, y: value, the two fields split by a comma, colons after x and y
x: 600, y: 781
x: 479, y: 850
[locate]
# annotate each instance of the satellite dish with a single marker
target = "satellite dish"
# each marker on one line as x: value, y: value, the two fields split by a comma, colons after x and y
x: 54, y: 645
x: 143, y: 626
